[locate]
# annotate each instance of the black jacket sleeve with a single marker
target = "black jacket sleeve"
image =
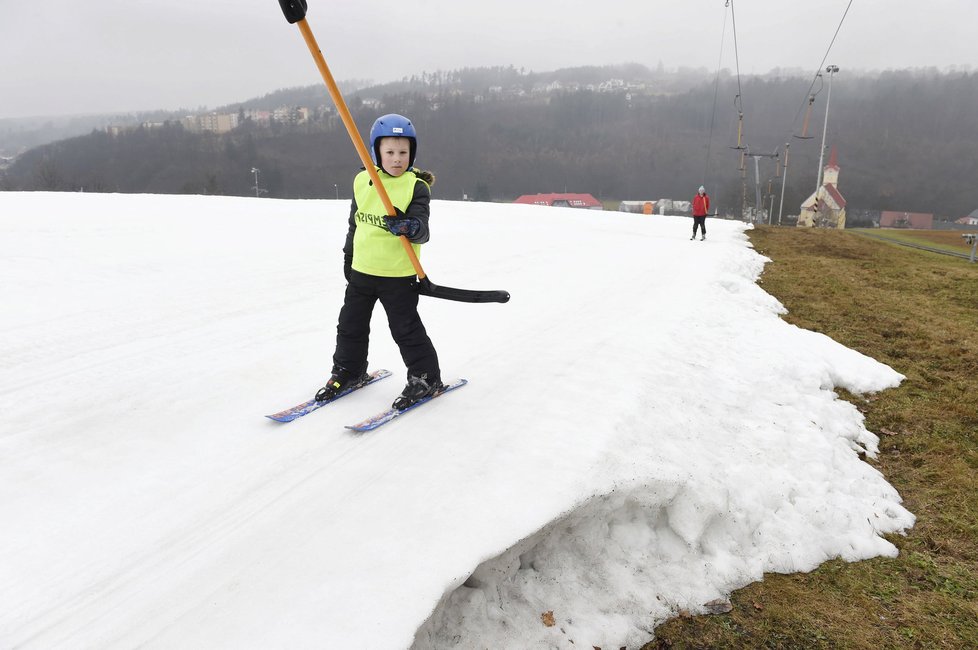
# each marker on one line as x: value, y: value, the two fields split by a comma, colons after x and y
x: 348, y: 246
x: 420, y: 208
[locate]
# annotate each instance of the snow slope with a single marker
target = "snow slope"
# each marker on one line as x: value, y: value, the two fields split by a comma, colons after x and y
x: 641, y: 432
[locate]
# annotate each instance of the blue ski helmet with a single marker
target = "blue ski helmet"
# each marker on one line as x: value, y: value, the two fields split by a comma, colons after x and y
x: 396, y: 126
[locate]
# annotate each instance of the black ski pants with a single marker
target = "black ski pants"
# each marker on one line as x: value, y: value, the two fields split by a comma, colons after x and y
x: 700, y: 222
x: 399, y: 296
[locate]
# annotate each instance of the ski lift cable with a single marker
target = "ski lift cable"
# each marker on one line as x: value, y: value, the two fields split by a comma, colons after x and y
x: 733, y: 18
x: 818, y: 71
x: 739, y: 100
x: 716, y: 90
x: 808, y: 113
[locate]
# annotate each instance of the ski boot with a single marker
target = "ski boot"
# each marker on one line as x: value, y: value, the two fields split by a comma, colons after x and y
x: 416, y: 390
x: 339, y: 381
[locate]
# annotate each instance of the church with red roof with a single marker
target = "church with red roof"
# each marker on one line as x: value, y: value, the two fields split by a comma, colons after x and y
x: 825, y: 208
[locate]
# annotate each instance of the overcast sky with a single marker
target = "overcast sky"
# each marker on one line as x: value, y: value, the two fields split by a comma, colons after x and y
x: 61, y: 57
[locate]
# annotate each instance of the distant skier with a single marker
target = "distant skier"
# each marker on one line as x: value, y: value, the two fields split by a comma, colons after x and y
x: 701, y: 207
x: 377, y: 268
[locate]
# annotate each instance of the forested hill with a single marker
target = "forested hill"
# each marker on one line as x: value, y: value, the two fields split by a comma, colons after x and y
x: 906, y: 140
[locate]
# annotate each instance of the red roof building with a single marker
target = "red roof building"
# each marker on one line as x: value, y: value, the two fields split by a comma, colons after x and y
x: 915, y: 220
x: 970, y: 220
x: 562, y: 200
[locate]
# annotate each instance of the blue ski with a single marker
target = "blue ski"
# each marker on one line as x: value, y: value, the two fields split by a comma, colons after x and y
x: 308, y: 407
x: 383, y: 418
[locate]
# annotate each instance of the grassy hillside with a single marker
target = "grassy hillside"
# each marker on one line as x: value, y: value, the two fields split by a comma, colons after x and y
x: 917, y: 312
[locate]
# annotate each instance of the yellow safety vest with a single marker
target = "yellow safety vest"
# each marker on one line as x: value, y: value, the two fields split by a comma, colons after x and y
x: 377, y: 251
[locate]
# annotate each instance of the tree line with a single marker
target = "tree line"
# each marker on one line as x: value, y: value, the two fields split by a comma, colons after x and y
x: 905, y: 141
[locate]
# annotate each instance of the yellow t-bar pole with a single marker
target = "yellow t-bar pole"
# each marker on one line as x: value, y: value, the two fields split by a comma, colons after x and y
x: 351, y: 128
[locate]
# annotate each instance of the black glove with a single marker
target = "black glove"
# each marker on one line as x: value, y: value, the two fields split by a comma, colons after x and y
x: 401, y: 224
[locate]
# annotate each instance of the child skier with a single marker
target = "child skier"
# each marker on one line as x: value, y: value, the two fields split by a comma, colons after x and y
x: 701, y: 207
x: 377, y: 267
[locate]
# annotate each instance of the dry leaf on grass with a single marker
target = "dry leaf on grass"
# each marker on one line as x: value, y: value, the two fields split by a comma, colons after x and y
x: 718, y: 606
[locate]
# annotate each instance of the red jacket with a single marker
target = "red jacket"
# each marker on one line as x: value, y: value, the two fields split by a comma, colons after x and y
x: 701, y: 205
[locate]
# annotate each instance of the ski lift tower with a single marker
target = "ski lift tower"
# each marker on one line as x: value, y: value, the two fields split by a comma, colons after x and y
x: 832, y: 69
x: 256, y: 187
x: 758, y: 208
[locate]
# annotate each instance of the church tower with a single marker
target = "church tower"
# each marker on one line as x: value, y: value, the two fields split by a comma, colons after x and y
x: 830, y: 175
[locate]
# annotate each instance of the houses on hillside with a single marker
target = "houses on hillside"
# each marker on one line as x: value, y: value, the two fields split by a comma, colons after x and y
x: 224, y: 122
x: 215, y: 122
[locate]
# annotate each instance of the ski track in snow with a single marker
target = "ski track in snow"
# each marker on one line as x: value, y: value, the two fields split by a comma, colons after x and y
x: 641, y: 433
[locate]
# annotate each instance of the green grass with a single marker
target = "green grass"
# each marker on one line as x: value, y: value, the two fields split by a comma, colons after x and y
x: 918, y: 313
x: 949, y: 240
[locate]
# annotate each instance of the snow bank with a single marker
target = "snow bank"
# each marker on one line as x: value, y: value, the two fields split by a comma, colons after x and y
x: 641, y: 433
x: 735, y: 459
